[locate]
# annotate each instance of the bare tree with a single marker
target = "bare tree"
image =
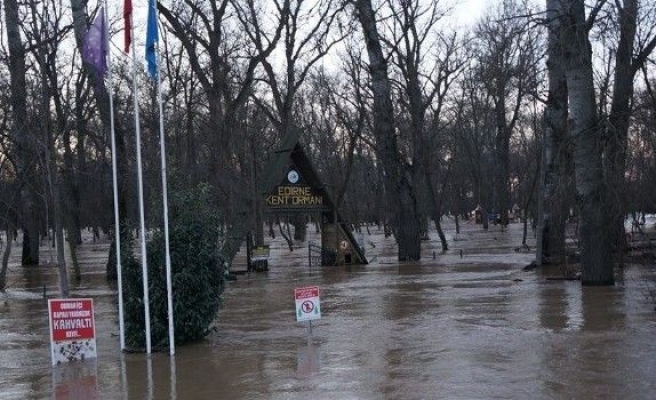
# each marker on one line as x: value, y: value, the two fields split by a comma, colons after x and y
x: 210, y: 35
x: 585, y: 134
x: 20, y: 135
x: 428, y: 61
x: 46, y: 35
x: 349, y: 99
x: 508, y: 57
x: 8, y: 198
x: 336, y: 113
x: 555, y: 154
x: 629, y: 59
x: 641, y: 165
x: 185, y: 111
x: 400, y: 190
x: 224, y: 62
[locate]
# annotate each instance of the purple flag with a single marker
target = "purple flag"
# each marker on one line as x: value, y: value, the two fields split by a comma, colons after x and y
x: 94, y: 44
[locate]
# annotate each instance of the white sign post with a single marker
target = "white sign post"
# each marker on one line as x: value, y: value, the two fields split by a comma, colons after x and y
x: 308, y: 307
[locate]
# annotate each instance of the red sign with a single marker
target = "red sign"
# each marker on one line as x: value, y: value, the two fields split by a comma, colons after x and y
x: 306, y: 292
x: 307, y: 303
x: 71, y: 319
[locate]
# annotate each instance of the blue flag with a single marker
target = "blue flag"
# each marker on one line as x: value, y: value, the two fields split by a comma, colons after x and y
x: 152, y: 37
x: 94, y: 44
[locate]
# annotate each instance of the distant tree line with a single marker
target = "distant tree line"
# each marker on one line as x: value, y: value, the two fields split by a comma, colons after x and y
x: 550, y: 106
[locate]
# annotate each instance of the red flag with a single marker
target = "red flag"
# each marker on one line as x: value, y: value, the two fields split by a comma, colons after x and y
x: 127, y: 15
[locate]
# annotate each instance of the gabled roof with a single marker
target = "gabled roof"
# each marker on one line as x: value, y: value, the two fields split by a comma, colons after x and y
x: 291, y: 154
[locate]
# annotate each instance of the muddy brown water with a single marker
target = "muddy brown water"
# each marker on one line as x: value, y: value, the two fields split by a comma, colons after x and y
x: 449, y: 327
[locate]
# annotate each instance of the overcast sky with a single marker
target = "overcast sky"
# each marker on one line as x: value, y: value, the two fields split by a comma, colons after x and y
x: 468, y: 11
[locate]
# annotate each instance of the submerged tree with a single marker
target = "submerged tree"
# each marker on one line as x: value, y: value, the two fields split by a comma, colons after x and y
x: 634, y: 46
x: 22, y: 138
x: 506, y: 70
x: 555, y: 152
x: 585, y: 134
x: 428, y: 62
x: 400, y: 189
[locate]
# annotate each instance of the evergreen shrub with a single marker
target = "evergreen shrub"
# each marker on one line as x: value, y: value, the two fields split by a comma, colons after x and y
x: 197, y: 274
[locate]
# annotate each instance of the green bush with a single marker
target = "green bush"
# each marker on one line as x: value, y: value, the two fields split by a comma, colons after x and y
x: 197, y: 274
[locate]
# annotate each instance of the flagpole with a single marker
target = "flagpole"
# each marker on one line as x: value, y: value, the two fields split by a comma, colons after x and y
x: 169, y: 289
x: 162, y: 139
x: 117, y: 229
x: 142, y: 223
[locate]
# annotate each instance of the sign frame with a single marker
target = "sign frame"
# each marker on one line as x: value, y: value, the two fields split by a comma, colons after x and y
x: 308, y: 303
x: 72, y: 329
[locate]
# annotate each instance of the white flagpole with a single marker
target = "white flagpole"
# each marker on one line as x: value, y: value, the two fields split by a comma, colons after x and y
x: 169, y: 288
x: 117, y: 229
x: 142, y: 222
x: 165, y: 202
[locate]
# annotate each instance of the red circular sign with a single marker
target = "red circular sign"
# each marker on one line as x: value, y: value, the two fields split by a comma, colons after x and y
x: 307, y: 306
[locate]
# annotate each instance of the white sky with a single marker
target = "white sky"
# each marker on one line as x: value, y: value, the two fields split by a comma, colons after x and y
x: 468, y: 11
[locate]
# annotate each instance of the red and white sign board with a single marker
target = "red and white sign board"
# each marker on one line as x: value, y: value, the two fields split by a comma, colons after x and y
x: 72, y: 330
x: 308, y: 306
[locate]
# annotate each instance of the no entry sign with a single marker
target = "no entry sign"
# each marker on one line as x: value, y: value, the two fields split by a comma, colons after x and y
x: 307, y: 303
x: 72, y: 329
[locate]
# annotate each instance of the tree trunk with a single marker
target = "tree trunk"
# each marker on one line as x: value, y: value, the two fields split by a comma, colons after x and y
x: 61, y: 259
x: 70, y: 198
x: 20, y: 134
x: 52, y: 174
x: 501, y: 189
x: 401, y: 200
x: 585, y: 134
x: 456, y: 218
x: 618, y: 124
x: 436, y: 210
x: 552, y: 209
x: 5, y: 258
x: 71, y: 191
x: 300, y: 227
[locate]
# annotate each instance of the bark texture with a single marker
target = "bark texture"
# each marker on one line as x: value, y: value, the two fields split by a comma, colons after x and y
x: 20, y: 135
x: 400, y: 197
x: 618, y: 122
x: 555, y: 153
x: 585, y: 134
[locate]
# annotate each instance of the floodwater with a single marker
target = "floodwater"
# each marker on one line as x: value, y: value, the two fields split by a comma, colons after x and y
x: 469, y: 324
